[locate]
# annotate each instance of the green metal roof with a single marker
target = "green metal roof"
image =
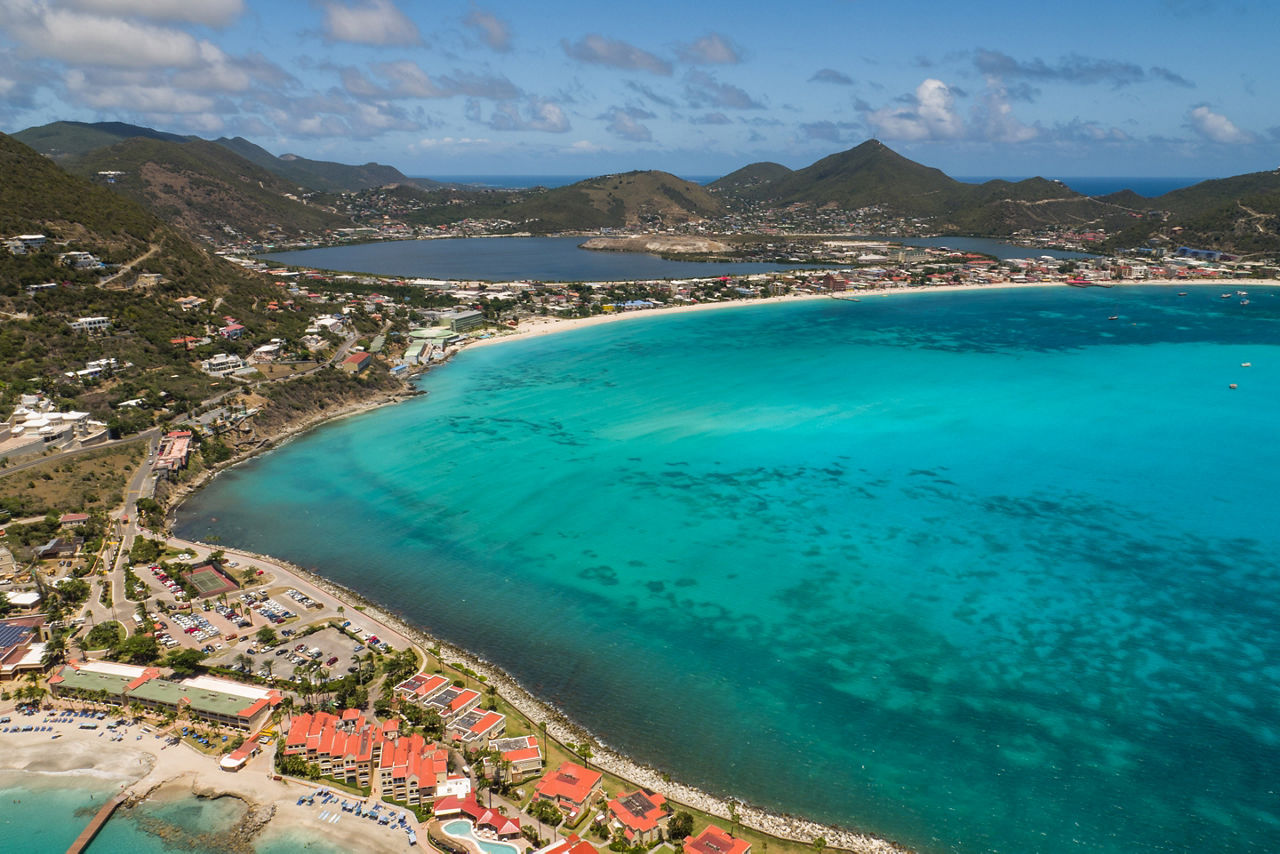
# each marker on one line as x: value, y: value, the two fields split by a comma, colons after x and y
x: 85, y: 680
x: 199, y: 699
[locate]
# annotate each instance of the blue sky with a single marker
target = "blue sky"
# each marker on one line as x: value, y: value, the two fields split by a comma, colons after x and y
x: 1136, y: 88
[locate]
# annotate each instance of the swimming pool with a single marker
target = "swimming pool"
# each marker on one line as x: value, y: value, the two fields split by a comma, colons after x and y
x: 461, y: 829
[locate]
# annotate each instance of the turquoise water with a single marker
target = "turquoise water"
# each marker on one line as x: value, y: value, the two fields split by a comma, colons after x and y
x: 43, y: 814
x: 982, y: 571
x: 461, y: 828
x: 46, y: 813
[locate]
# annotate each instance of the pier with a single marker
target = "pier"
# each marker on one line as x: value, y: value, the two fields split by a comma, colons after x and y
x: 86, y: 836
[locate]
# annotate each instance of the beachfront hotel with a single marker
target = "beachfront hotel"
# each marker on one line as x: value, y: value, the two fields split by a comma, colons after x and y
x: 210, y: 699
x: 352, y: 748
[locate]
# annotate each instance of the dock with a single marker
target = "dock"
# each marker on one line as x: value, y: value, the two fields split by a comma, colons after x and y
x: 86, y: 836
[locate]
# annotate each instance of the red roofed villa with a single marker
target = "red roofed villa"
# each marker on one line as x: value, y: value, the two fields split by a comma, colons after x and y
x: 713, y: 840
x: 640, y: 816
x: 570, y: 787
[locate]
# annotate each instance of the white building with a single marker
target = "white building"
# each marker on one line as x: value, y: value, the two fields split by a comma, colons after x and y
x: 92, y: 324
x: 222, y: 364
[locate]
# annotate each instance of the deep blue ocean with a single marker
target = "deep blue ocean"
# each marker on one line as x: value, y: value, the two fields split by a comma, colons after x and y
x: 981, y: 572
x: 1095, y: 186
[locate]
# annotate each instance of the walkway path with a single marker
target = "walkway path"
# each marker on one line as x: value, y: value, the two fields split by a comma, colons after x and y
x: 86, y: 836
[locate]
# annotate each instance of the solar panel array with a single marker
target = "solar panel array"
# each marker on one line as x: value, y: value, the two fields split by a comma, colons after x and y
x: 13, y: 635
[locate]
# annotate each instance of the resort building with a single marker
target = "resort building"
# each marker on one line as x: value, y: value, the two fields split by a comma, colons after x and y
x: 570, y: 787
x: 345, y: 747
x: 204, y: 698
x: 412, y: 769
x: 486, y: 820
x: 21, y: 651
x: 571, y: 844
x: 713, y: 840
x: 478, y: 726
x: 452, y: 703
x: 521, y: 757
x: 462, y: 321
x: 418, y: 689
x: 640, y: 816
x: 352, y: 748
x: 175, y: 447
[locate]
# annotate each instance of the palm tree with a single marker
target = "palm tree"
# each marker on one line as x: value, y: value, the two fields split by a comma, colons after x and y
x: 55, y: 651
x: 244, y: 662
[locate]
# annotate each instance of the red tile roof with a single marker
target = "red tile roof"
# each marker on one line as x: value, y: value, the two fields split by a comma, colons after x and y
x: 639, y: 810
x: 570, y: 782
x: 713, y: 840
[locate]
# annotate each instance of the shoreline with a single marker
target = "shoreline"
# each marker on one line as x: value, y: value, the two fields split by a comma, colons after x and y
x: 539, y: 327
x: 558, y: 725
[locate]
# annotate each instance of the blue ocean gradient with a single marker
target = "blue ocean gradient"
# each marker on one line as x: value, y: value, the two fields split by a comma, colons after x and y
x: 982, y: 571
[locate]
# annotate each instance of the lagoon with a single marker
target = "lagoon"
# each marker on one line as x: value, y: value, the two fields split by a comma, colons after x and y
x: 506, y: 259
x: 981, y: 571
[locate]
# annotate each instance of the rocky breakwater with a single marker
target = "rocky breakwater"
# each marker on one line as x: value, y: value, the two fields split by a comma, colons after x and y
x: 657, y: 244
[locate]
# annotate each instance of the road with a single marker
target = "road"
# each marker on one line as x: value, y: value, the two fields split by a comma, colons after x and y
x: 152, y: 433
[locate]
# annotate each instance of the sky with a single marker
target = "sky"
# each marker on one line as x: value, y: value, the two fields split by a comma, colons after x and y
x: 560, y: 87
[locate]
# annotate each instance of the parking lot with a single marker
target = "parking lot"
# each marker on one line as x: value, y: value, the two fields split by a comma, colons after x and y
x: 327, y: 650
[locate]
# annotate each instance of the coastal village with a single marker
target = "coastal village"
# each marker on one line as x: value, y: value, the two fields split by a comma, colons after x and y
x: 345, y: 720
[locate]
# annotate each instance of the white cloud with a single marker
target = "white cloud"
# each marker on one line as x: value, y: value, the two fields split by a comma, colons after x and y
x: 625, y: 125
x: 491, y: 29
x: 213, y: 13
x: 996, y: 120
x: 1216, y: 127
x: 539, y: 114
x: 598, y: 50
x: 90, y: 39
x: 407, y: 79
x: 375, y: 22
x: 931, y: 116
x: 136, y: 97
x: 711, y: 49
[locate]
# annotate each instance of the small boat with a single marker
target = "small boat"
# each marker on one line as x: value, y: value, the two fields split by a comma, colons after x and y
x: 1231, y: 385
x: 1114, y: 317
x: 1244, y: 302
x: 1246, y: 364
x: 1182, y: 293
x: 1224, y: 296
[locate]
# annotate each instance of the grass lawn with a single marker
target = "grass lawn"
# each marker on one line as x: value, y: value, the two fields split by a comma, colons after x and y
x: 95, y: 479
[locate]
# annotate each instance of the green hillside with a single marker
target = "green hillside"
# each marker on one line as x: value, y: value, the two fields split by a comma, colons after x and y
x: 323, y: 175
x: 613, y: 201
x: 1240, y: 215
x: 38, y: 346
x: 205, y: 189
x: 744, y: 182
x: 62, y: 140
